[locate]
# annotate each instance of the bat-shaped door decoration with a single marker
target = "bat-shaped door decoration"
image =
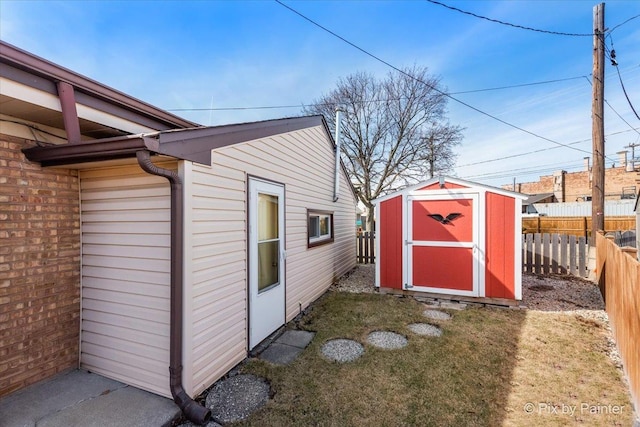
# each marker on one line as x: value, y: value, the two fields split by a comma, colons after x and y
x: 447, y: 219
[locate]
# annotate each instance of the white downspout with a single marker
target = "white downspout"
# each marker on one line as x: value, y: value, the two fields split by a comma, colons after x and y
x: 336, y: 185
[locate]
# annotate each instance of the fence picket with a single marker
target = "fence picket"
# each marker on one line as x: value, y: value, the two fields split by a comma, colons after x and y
x: 554, y: 254
x: 582, y: 243
x: 564, y: 242
x: 572, y: 255
x: 546, y: 244
x: 537, y: 254
x: 529, y: 239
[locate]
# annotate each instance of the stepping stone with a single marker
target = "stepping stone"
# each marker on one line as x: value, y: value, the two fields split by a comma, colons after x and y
x: 436, y: 314
x: 287, y: 347
x: 425, y: 329
x: 387, y: 340
x: 342, y: 350
x: 209, y: 424
x: 235, y: 398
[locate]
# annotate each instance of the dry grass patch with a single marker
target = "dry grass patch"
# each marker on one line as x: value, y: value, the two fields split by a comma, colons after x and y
x: 486, y: 365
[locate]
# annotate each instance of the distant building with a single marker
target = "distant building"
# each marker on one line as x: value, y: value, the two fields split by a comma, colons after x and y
x: 620, y: 183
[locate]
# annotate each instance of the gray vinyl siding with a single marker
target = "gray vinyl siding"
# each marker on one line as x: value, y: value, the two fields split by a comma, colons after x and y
x: 304, y: 162
x: 125, y: 223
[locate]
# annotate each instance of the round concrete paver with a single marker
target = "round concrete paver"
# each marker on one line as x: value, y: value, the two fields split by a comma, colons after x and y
x: 235, y: 398
x: 436, y: 314
x: 209, y: 424
x: 387, y: 340
x: 425, y: 329
x: 342, y: 350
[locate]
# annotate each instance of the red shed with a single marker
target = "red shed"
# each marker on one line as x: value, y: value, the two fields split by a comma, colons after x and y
x: 453, y: 238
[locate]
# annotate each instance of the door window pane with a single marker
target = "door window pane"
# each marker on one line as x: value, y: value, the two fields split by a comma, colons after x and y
x: 267, y: 217
x: 268, y: 264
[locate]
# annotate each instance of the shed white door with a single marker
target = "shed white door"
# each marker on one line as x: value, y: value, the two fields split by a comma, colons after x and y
x: 442, y: 250
x: 125, y: 276
x: 266, y: 259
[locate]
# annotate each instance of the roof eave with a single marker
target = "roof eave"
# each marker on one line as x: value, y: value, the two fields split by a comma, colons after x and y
x: 24, y: 60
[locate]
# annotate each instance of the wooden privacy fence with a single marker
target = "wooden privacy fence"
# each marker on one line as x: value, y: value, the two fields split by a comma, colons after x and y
x: 365, y: 247
x: 618, y: 275
x: 554, y: 253
x: 579, y: 226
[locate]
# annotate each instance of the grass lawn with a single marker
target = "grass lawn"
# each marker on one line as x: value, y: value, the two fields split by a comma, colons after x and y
x: 483, y: 371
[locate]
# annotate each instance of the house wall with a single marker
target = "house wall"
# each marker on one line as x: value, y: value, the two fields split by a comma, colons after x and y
x: 216, y: 282
x: 578, y: 184
x: 39, y: 268
x: 126, y: 264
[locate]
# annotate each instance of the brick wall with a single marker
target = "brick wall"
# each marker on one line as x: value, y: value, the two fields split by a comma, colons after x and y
x: 577, y: 184
x: 39, y: 268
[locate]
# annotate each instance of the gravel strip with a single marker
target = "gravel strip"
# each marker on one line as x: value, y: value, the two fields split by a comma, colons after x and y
x: 436, y: 314
x: 235, y: 398
x: 425, y: 329
x: 387, y: 340
x: 342, y: 350
x: 360, y: 280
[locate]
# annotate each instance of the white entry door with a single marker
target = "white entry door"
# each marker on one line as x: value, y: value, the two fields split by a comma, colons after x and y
x: 266, y: 259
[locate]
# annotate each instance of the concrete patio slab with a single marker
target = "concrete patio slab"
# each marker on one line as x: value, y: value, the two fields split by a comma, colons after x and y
x: 300, y: 339
x: 126, y: 406
x: 280, y: 354
x: 79, y: 398
x: 287, y: 347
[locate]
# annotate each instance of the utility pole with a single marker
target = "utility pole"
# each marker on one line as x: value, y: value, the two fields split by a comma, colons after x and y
x: 597, y: 130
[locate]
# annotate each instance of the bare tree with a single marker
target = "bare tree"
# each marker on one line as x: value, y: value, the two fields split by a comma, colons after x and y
x: 394, y: 130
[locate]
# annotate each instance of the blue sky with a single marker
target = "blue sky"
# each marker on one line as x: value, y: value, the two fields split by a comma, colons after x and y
x: 195, y: 55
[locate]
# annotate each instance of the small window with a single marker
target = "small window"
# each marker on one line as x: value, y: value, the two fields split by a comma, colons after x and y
x: 320, y: 227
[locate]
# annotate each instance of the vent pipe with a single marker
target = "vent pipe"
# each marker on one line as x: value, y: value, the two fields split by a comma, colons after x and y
x: 336, y: 185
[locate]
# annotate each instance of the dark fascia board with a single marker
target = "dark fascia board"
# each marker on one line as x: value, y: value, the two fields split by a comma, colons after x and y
x: 196, y: 144
x: 187, y: 144
x: 39, y: 71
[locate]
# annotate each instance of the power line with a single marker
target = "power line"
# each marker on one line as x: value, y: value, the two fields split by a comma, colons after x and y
x: 615, y: 111
x: 518, y: 85
x: 426, y: 84
x: 497, y: 21
x: 622, y: 23
x: 611, y: 54
x: 538, y: 151
x: 270, y: 107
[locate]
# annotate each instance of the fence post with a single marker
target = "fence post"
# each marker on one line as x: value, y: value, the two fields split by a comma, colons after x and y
x: 372, y: 244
